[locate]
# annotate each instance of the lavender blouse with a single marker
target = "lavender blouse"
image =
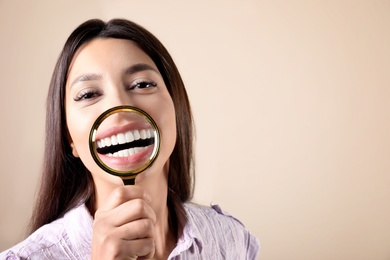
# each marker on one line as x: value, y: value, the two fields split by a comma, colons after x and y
x: 208, y: 234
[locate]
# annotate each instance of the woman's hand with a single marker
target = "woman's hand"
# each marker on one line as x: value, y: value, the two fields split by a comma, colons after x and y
x: 124, y: 226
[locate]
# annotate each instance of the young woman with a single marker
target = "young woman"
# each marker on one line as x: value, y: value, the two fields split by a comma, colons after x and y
x: 84, y: 213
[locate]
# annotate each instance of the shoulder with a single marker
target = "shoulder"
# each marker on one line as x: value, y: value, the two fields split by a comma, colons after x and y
x: 214, y: 216
x: 48, y: 236
x: 212, y: 213
x: 49, y: 241
x: 221, y: 231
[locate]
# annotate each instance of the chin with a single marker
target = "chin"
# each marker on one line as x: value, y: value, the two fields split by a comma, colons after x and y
x: 104, y: 178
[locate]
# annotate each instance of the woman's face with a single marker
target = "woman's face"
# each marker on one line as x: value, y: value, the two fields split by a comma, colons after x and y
x: 111, y: 72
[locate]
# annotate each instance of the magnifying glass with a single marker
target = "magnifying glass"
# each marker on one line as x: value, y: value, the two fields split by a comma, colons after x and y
x: 124, y: 141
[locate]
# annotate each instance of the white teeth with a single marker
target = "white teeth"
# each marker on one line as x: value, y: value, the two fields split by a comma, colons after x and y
x: 127, y: 137
x: 121, y: 138
x: 127, y: 152
x: 114, y: 140
x: 107, y: 141
x: 136, y: 135
x: 143, y: 134
x: 131, y: 151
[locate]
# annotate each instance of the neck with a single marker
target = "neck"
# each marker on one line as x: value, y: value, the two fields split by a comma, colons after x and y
x: 165, y: 236
x: 157, y: 187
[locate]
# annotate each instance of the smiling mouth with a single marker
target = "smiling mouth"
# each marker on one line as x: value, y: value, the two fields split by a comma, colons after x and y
x: 126, y: 144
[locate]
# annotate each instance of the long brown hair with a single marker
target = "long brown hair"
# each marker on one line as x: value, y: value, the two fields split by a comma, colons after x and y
x: 65, y: 180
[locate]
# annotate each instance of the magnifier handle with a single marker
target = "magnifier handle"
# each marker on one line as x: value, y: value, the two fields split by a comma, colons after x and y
x: 129, y: 181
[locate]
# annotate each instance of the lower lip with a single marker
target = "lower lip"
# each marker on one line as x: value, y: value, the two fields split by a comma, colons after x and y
x: 129, y: 163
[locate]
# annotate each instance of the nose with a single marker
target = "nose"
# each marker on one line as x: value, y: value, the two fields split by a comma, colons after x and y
x: 115, y: 96
x: 118, y: 96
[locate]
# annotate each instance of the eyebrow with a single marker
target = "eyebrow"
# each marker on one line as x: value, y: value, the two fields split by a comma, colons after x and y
x: 86, y: 77
x: 128, y: 71
x: 139, y: 67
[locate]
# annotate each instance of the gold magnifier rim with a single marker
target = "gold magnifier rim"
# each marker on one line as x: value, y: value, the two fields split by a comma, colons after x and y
x: 92, y: 144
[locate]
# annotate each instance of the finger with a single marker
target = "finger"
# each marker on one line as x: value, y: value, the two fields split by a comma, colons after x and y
x: 127, y: 212
x: 130, y: 211
x: 122, y: 194
x: 140, y: 229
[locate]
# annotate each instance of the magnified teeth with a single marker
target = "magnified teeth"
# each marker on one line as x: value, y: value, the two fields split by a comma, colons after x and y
x: 121, y: 138
x: 114, y: 140
x: 107, y: 141
x: 126, y: 144
x: 136, y: 135
x: 127, y: 152
x: 129, y: 136
x: 143, y: 134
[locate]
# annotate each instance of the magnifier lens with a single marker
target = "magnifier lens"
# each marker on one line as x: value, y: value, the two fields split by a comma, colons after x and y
x: 124, y: 141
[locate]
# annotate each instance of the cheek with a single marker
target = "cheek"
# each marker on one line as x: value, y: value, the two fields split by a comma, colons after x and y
x: 167, y: 126
x: 79, y: 129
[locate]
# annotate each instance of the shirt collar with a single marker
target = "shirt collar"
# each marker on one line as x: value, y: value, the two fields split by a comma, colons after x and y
x: 189, y: 240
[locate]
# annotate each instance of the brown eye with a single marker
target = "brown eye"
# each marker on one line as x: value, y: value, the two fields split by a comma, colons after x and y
x: 86, y: 95
x: 143, y: 85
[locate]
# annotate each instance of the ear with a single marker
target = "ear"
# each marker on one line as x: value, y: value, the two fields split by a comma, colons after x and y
x: 74, y: 150
x: 72, y: 146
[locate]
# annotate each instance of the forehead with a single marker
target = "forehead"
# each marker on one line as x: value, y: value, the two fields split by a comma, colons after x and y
x: 107, y: 53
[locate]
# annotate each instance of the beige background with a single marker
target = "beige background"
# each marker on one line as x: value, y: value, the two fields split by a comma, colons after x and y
x: 291, y: 103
